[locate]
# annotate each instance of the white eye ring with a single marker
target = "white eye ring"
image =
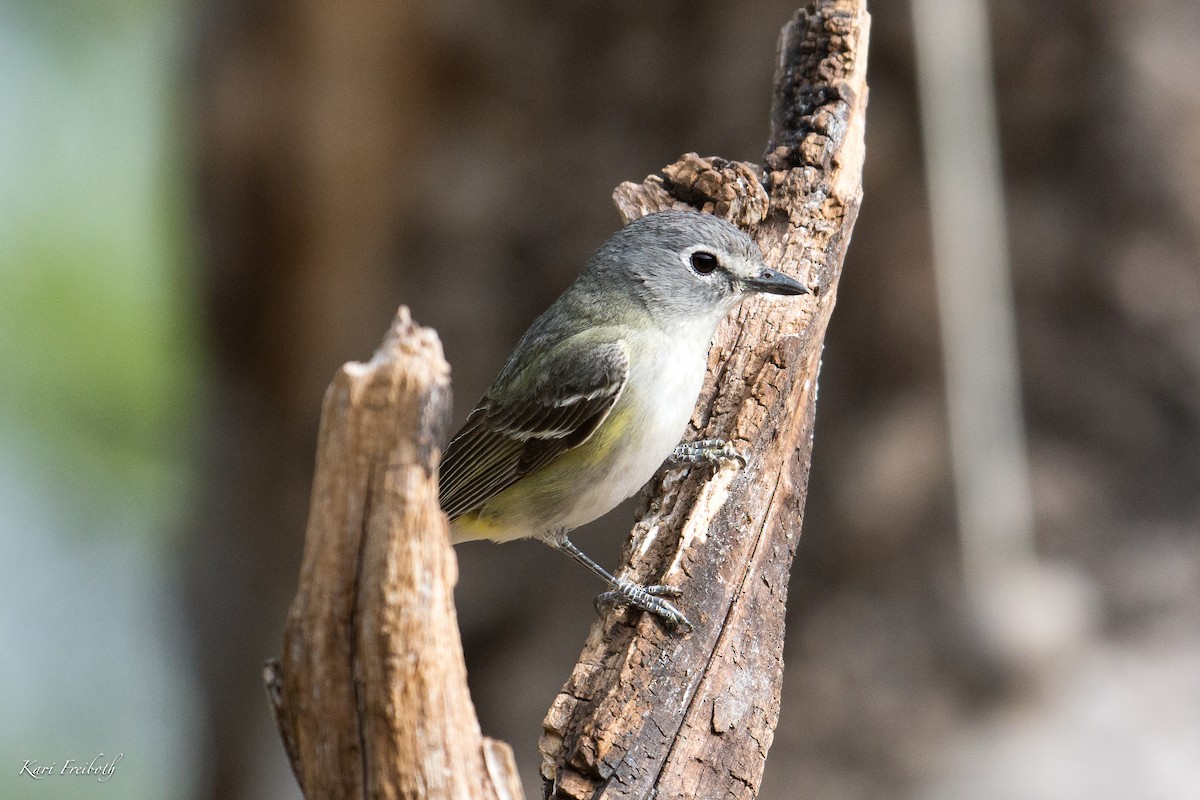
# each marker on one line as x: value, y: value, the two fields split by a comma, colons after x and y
x: 701, y: 261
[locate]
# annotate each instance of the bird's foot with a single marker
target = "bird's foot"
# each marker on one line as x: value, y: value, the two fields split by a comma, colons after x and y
x: 706, y: 451
x: 647, y: 598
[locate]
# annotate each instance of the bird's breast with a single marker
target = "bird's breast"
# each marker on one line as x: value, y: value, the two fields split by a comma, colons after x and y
x: 642, y: 429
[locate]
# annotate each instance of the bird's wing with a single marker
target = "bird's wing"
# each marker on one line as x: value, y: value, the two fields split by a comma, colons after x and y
x: 552, y: 405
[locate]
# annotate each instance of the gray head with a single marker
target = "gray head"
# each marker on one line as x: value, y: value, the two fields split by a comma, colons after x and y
x: 685, y: 266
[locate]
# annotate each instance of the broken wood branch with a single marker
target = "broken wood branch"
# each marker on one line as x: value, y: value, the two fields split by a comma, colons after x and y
x: 370, y: 691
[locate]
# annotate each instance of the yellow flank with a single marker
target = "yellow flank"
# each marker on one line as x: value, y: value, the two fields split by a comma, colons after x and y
x: 471, y: 526
x: 519, y: 510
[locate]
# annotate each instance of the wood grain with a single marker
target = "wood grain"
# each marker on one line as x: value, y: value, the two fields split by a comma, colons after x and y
x: 370, y: 691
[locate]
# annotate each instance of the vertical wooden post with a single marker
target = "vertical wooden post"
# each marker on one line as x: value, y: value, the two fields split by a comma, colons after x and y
x: 370, y: 692
x: 647, y: 713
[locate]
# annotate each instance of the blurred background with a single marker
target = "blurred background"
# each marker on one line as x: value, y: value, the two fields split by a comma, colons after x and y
x: 206, y: 207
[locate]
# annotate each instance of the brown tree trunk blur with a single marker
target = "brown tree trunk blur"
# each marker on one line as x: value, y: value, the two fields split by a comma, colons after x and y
x: 303, y: 114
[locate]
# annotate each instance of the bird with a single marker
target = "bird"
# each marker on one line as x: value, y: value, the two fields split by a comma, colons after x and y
x: 598, y: 392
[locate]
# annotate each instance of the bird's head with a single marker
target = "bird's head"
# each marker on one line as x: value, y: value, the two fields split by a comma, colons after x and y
x: 688, y: 268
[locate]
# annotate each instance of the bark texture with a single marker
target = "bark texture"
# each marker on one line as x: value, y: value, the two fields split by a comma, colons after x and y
x: 646, y: 712
x: 370, y: 692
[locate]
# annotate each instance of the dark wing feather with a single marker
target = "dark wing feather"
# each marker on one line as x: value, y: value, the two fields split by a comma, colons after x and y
x: 511, y: 434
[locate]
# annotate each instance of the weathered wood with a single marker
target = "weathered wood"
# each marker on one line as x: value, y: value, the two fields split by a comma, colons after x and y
x: 370, y: 691
x: 647, y: 712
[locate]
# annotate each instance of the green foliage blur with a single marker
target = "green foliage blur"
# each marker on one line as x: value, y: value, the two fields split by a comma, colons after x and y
x: 99, y: 371
x: 97, y: 345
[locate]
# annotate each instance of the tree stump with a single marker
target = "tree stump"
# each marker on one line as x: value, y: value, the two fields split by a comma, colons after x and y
x: 370, y: 692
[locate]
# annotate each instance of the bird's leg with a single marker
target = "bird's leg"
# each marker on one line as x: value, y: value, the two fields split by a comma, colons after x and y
x: 706, y: 451
x: 624, y: 592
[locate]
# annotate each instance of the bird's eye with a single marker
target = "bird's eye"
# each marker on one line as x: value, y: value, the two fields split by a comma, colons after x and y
x: 703, y: 262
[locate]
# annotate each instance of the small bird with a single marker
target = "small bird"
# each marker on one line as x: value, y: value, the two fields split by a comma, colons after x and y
x: 599, y: 391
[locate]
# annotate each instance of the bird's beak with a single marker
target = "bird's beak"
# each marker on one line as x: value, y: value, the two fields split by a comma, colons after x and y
x: 771, y: 282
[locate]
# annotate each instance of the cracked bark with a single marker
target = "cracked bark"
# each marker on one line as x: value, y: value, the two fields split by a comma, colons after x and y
x: 646, y: 713
x: 370, y: 691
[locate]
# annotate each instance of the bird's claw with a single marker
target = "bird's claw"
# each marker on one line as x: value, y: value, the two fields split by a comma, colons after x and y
x: 707, y: 451
x: 647, y: 598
